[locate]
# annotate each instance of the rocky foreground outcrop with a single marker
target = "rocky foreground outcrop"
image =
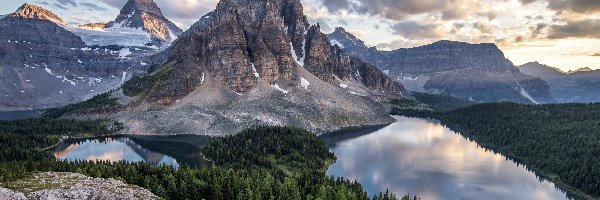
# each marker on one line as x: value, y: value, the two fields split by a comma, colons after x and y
x: 255, y: 62
x: 72, y: 186
x: 478, y: 72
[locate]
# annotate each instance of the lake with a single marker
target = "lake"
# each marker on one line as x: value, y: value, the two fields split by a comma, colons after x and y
x: 157, y: 150
x: 424, y: 158
x: 413, y: 156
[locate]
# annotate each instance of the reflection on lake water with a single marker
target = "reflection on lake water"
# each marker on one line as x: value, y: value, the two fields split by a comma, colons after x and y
x: 156, y: 150
x: 426, y: 159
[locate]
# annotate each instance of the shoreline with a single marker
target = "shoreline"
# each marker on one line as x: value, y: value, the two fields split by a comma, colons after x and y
x: 571, y: 192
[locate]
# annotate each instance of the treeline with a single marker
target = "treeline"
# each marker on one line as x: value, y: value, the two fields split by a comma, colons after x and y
x: 560, y: 141
x: 423, y: 104
x: 96, y: 103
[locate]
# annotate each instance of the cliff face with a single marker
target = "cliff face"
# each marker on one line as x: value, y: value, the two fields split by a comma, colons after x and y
x: 581, y: 86
x: 146, y: 15
x: 252, y: 62
x: 477, y: 72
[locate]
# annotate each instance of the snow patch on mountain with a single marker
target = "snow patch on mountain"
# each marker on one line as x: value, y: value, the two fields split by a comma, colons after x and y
x: 526, y: 95
x: 295, y: 56
x: 256, y: 74
x: 304, y: 83
x: 124, y: 52
x: 279, y: 89
x: 121, y: 36
x: 335, y: 42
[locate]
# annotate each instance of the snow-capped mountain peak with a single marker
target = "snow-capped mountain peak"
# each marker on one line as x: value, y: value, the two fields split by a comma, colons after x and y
x: 145, y: 15
x: 35, y: 12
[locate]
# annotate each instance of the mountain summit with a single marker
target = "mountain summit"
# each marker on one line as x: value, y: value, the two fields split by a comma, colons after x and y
x: 146, y: 15
x: 35, y: 12
x: 255, y: 62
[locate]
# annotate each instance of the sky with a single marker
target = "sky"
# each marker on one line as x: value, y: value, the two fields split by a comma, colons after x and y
x: 559, y: 33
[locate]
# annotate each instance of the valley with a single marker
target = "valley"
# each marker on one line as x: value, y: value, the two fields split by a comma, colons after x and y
x: 270, y: 99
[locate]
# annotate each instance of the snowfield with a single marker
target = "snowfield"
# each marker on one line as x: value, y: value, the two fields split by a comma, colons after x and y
x: 121, y: 36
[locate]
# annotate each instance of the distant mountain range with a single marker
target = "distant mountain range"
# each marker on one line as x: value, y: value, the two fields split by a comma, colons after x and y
x: 477, y: 72
x: 44, y: 63
x: 581, y: 85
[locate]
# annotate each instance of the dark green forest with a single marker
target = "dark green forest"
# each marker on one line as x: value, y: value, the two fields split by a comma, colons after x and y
x: 442, y: 102
x: 559, y: 141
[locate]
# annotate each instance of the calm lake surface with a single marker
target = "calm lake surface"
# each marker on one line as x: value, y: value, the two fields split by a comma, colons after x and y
x: 423, y: 158
x: 156, y: 150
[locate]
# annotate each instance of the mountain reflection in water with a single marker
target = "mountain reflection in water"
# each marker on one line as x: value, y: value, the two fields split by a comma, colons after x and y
x: 155, y: 150
x: 423, y: 158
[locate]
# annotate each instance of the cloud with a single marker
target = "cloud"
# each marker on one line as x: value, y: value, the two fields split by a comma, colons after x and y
x: 577, y: 6
x: 93, y: 7
x: 60, y: 6
x: 414, y: 30
x: 401, y: 9
x: 527, y: 1
x: 67, y: 2
x: 484, y: 26
x: 587, y: 28
x: 595, y: 54
x: 114, y: 3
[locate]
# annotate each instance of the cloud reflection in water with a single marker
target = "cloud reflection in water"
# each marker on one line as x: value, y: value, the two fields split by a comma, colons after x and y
x: 419, y: 157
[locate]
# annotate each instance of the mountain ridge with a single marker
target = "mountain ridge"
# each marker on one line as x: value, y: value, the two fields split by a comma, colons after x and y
x: 581, y: 86
x: 31, y: 11
x: 477, y: 72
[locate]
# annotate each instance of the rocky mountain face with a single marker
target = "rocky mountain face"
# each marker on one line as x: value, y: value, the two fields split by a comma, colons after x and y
x: 581, y: 86
x: 43, y: 65
x: 478, y: 72
x: 29, y: 11
x: 253, y: 62
x: 146, y: 15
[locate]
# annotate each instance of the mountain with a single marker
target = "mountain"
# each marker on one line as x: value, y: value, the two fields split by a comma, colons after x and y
x: 29, y: 11
x: 478, y: 72
x: 44, y: 65
x: 252, y: 62
x: 145, y: 15
x: 575, y: 86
